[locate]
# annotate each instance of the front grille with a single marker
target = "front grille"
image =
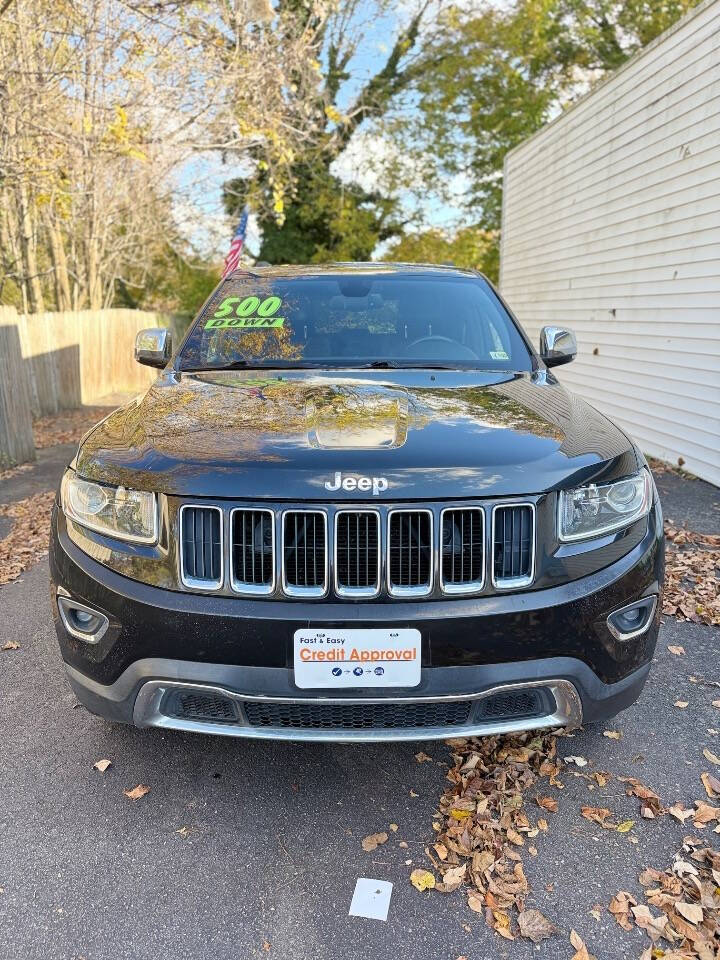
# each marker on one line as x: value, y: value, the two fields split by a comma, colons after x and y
x: 252, y: 550
x: 410, y: 550
x: 201, y: 547
x: 357, y: 716
x: 463, y: 549
x: 357, y: 553
x: 514, y: 705
x: 204, y: 707
x: 513, y: 539
x: 304, y: 553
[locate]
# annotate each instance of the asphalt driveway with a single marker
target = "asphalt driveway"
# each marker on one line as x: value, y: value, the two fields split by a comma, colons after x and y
x: 250, y: 849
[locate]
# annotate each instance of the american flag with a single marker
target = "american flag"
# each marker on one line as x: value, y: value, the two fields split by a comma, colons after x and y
x: 233, y: 258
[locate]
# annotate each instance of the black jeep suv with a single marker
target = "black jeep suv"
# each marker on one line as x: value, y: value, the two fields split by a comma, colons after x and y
x: 356, y: 505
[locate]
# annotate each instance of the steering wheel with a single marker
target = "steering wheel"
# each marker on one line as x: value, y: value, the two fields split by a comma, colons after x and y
x: 460, y: 351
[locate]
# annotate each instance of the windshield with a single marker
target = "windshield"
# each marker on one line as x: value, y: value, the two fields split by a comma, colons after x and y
x: 355, y: 320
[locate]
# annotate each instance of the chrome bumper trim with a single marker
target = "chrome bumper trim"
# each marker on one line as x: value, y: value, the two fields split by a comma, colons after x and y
x: 147, y: 713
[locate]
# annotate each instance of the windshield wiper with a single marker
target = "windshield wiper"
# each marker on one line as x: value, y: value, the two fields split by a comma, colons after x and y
x: 251, y: 365
x: 378, y: 365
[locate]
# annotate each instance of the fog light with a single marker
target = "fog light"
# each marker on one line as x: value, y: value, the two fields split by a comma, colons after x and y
x: 632, y: 620
x: 81, y: 621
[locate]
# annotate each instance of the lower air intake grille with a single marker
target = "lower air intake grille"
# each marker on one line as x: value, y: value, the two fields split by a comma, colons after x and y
x: 513, y: 539
x: 201, y: 546
x: 410, y: 552
x: 304, y: 553
x: 252, y: 550
x: 206, y: 708
x: 357, y: 553
x: 357, y: 716
x: 514, y: 705
x: 462, y: 549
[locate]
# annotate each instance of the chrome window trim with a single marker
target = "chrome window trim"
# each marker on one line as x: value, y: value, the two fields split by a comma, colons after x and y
x: 239, y: 586
x: 410, y: 592
x: 357, y: 593
x: 475, y: 586
x: 514, y: 583
x: 306, y: 592
x: 192, y: 582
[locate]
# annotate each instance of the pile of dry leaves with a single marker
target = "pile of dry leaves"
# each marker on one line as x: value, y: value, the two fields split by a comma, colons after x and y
x: 686, y: 901
x: 28, y: 539
x: 482, y: 827
x: 68, y: 426
x: 692, y: 576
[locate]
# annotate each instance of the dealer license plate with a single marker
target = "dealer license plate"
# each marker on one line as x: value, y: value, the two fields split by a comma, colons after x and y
x: 357, y: 658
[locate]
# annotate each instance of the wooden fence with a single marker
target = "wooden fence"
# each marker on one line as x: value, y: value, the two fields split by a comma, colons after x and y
x: 58, y: 361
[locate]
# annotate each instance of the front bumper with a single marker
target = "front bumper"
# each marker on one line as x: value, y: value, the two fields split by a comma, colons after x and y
x: 550, y: 648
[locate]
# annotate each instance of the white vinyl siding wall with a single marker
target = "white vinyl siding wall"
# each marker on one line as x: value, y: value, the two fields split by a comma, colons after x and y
x: 611, y: 226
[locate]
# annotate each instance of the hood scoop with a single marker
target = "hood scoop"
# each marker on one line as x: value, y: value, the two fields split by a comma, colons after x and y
x: 353, y: 416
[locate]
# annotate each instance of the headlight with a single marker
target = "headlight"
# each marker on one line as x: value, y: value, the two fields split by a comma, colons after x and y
x: 125, y: 514
x: 593, y: 510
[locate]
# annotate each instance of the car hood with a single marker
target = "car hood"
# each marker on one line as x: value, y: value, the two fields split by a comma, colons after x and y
x: 430, y: 434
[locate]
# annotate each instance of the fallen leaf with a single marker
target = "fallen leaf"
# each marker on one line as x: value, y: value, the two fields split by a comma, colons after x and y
x: 711, y: 784
x: 423, y: 758
x: 139, y: 791
x: 266, y: 946
x: 502, y: 924
x: 691, y: 911
x: 597, y: 911
x: 716, y: 703
x: 102, y: 765
x: 422, y: 880
x: 413, y: 794
x: 680, y: 813
x: 620, y: 908
x: 681, y: 704
x: 578, y: 761
x: 547, y: 803
x: 542, y: 824
x: 10, y: 645
x: 476, y: 902
x: 612, y: 734
x: 711, y: 757
x: 460, y: 814
x: 534, y: 926
x: 625, y: 826
x: 596, y: 814
x: 403, y: 844
x: 580, y: 948
x: 452, y: 879
x: 394, y: 827
x: 373, y: 841
x: 441, y: 850
x: 514, y: 837
x: 677, y: 650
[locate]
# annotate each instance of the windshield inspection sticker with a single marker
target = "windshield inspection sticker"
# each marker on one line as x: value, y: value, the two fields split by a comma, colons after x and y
x: 247, y: 313
x: 499, y: 355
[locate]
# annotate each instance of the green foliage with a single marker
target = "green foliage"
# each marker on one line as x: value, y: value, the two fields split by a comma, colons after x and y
x: 507, y: 71
x: 470, y: 247
x: 173, y: 285
x: 325, y: 220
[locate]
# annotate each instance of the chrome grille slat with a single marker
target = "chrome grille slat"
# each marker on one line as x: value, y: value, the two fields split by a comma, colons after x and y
x: 304, y: 533
x: 513, y: 545
x: 201, y: 546
x: 410, y: 571
x: 357, y: 553
x: 252, y: 551
x: 462, y: 561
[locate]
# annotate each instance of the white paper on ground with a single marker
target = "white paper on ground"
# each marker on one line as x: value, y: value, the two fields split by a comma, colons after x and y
x: 371, y: 899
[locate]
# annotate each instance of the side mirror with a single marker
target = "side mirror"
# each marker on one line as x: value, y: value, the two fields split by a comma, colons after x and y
x: 153, y: 347
x: 557, y: 345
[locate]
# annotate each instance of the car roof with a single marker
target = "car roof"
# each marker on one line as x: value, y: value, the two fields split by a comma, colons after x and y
x: 330, y: 269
